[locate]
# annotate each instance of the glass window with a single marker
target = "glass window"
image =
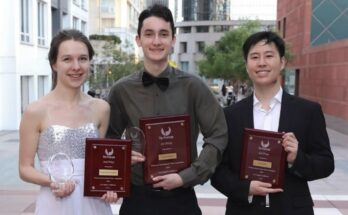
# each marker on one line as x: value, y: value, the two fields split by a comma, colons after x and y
x: 66, y: 20
x: 221, y: 28
x: 75, y: 23
x: 84, y: 27
x: 26, y: 93
x: 107, y: 6
x: 41, y: 28
x: 183, y: 47
x: 290, y: 81
x: 83, y: 4
x: 184, y: 65
x: 200, y: 45
x: 202, y: 29
x: 185, y: 30
x: 76, y: 2
x: 42, y: 86
x: 25, y: 20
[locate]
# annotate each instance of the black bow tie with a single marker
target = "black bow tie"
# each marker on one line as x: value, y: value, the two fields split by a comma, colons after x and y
x: 161, y: 82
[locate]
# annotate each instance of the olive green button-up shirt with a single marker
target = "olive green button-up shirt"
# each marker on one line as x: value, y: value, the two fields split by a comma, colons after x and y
x: 186, y: 94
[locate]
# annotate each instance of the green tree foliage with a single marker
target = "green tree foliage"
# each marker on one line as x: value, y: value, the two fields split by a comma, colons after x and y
x: 126, y: 64
x: 224, y: 60
x: 111, y: 38
x: 111, y: 63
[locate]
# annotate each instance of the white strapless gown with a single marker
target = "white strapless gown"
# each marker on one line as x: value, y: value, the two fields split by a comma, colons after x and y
x: 71, y: 141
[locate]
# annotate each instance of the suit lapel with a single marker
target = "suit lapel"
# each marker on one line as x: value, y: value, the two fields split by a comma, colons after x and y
x: 248, y: 118
x: 285, y: 113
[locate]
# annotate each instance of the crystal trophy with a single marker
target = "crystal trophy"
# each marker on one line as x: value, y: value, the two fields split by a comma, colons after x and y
x: 60, y: 168
x: 138, y: 138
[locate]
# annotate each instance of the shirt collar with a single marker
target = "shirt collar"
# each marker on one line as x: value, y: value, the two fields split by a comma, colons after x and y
x: 276, y: 99
x: 164, y: 73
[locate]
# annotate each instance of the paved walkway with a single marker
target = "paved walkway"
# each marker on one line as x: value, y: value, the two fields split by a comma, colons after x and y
x: 330, y: 194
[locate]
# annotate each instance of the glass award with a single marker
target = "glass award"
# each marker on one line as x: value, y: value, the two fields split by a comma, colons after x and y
x: 60, y: 168
x: 136, y: 135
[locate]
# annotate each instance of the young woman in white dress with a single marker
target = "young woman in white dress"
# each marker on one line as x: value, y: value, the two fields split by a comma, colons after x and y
x: 59, y: 122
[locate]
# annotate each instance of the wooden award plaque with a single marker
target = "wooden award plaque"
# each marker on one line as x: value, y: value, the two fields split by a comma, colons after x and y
x: 168, y: 145
x: 107, y: 166
x: 263, y: 157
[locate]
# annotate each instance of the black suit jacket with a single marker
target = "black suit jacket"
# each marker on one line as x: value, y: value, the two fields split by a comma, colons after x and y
x: 314, y: 158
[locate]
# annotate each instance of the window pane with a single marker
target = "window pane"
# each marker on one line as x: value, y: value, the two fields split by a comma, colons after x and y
x: 41, y: 22
x: 25, y: 20
x: 75, y: 22
x: 184, y: 66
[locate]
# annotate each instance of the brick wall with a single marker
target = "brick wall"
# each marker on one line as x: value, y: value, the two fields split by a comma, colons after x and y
x: 323, y: 75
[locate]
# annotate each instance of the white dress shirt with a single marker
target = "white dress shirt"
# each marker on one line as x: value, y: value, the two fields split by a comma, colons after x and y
x: 267, y: 119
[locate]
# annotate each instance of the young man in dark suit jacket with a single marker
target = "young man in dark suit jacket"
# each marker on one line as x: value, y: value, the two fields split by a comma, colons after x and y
x: 305, y: 139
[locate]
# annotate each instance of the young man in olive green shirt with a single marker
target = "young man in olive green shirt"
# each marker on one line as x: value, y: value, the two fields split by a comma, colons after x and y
x: 133, y: 97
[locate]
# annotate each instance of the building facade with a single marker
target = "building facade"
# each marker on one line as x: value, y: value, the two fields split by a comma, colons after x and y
x: 204, y: 22
x: 193, y: 36
x: 316, y: 31
x: 202, y: 10
x: 25, y: 74
x: 118, y: 18
x: 114, y: 17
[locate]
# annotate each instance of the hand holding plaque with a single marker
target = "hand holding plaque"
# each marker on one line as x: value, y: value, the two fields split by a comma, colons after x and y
x: 263, y: 157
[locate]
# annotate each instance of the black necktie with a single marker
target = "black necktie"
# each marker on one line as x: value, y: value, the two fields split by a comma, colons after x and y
x: 161, y: 82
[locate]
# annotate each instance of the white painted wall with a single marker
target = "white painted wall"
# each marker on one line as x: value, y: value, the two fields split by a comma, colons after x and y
x: 8, y: 92
x: 18, y: 59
